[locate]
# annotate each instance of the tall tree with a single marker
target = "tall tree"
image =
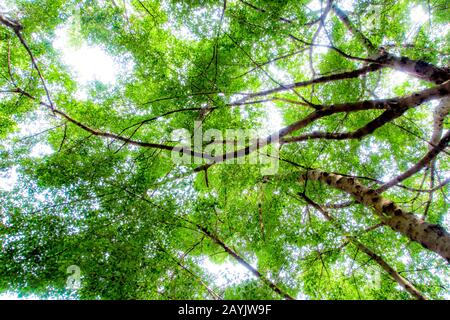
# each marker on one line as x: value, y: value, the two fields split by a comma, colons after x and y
x: 178, y: 164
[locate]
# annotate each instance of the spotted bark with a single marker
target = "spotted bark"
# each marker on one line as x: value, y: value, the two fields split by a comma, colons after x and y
x: 431, y: 236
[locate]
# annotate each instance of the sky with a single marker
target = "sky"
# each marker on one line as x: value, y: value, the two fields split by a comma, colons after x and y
x: 89, y: 63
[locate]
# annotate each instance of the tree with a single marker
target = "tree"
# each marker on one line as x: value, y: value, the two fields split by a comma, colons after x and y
x: 178, y: 163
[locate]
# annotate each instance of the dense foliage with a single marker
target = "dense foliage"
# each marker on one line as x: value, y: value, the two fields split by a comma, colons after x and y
x: 355, y: 206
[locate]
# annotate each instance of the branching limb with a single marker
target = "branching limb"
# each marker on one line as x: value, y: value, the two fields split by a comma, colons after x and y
x: 324, y: 79
x: 244, y: 263
x: 419, y: 165
x: 420, y: 69
x: 408, y: 286
x: 17, y: 28
x: 431, y: 236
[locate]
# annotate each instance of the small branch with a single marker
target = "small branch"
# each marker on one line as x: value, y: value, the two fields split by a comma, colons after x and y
x: 377, y: 258
x: 419, y: 165
x: 263, y: 11
x: 64, y: 137
x: 16, y: 27
x: 244, y: 263
x: 344, y: 18
x: 324, y: 79
x: 213, y: 294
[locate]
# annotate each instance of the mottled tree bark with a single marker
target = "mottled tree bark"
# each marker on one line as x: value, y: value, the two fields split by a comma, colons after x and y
x: 417, y: 68
x: 439, y: 115
x: 431, y: 236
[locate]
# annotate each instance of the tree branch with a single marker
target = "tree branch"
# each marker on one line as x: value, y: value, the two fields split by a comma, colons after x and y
x: 16, y: 27
x: 419, y: 165
x: 244, y: 263
x: 419, y: 69
x: 408, y: 286
x: 431, y: 236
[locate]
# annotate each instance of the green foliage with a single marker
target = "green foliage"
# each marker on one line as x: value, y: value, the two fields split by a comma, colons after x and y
x: 128, y: 216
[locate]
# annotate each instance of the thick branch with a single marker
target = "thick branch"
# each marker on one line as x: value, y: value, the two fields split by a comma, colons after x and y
x: 390, y: 114
x: 417, y: 68
x: 395, y: 108
x: 324, y: 79
x: 431, y: 236
x: 369, y: 128
x: 397, y: 105
x: 389, y: 104
x: 439, y: 115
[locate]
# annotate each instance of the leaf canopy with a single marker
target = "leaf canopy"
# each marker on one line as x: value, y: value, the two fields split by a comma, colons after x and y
x: 88, y: 171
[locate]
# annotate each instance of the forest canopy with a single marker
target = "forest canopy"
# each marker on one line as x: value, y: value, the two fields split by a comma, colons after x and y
x: 230, y: 149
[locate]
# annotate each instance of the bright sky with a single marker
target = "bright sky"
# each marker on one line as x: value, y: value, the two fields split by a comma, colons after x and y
x: 418, y: 15
x: 88, y: 63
